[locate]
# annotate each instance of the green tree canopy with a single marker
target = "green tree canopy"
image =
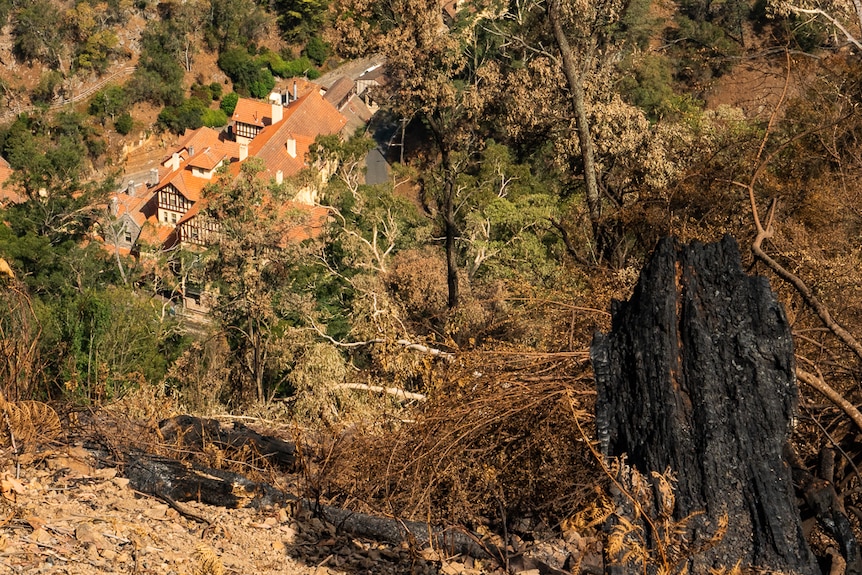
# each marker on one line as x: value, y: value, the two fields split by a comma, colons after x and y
x: 250, y: 271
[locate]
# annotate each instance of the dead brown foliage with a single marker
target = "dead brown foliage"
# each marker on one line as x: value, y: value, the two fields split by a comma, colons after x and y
x: 20, y: 365
x: 495, y: 440
x: 131, y: 424
x: 26, y: 424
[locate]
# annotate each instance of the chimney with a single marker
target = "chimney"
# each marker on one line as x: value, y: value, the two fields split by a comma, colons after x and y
x: 276, y: 112
x: 175, y: 162
x: 130, y: 189
x: 291, y: 146
x: 154, y: 177
x: 191, y: 151
x: 115, y: 205
x: 279, y: 177
x: 294, y: 90
x: 243, y: 151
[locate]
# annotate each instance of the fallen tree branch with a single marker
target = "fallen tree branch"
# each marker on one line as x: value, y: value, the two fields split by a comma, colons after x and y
x: 183, y: 511
x: 766, y: 231
x: 190, y: 431
x: 819, y: 308
x: 425, y: 349
x: 391, y: 530
x: 817, y: 383
x: 829, y: 18
x: 407, y: 344
x: 394, y: 391
x: 165, y: 477
x: 820, y: 496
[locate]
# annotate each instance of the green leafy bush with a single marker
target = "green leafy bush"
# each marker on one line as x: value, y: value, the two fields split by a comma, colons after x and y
x: 159, y: 76
x: 124, y: 123
x: 216, y: 89
x: 263, y: 84
x: 214, y: 118
x: 186, y: 116
x: 317, y: 50
x: 109, y: 102
x: 302, y: 66
x: 228, y: 103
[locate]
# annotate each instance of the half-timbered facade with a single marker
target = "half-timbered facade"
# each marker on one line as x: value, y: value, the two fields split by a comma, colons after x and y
x: 198, y: 229
x: 250, y: 117
x: 172, y: 205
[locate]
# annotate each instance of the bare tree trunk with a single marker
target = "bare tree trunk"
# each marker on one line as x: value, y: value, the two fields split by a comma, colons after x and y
x: 451, y: 235
x: 257, y: 367
x: 573, y: 69
x: 449, y: 224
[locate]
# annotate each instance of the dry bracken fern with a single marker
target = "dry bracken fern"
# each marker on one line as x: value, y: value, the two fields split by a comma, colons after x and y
x: 208, y: 562
x: 646, y: 536
x: 27, y: 423
x: 595, y: 513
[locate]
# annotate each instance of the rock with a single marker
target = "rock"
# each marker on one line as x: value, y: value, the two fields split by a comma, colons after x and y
x: 120, y: 482
x: 109, y: 555
x: 87, y: 533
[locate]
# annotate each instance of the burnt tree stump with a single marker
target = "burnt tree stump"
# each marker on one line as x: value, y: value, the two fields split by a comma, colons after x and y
x: 697, y: 376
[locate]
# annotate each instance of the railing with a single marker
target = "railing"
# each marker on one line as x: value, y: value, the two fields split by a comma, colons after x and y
x: 75, y: 97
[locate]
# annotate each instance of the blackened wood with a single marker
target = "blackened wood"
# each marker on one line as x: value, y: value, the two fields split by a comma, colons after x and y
x: 453, y: 540
x: 822, y: 499
x: 173, y: 479
x: 697, y: 376
x: 187, y: 430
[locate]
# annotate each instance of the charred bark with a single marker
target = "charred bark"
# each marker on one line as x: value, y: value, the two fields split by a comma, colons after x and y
x: 176, y: 481
x: 697, y: 375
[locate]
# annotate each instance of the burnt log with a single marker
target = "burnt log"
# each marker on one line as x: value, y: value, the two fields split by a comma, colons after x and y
x: 176, y: 481
x: 697, y: 375
x: 187, y: 431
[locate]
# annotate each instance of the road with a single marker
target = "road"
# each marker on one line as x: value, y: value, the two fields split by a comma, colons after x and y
x: 352, y: 70
x: 377, y: 169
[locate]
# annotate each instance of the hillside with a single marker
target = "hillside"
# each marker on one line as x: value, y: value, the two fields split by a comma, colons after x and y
x: 425, y: 347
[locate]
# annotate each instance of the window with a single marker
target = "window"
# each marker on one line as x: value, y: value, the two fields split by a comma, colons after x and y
x: 127, y: 236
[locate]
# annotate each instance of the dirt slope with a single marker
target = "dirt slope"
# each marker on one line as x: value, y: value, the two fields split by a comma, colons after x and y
x: 62, y: 514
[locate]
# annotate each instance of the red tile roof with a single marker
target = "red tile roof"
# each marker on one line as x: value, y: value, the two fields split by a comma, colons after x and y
x: 192, y: 212
x: 310, y: 220
x: 209, y: 158
x: 253, y: 112
x: 133, y: 205
x: 304, y: 120
x: 209, y: 150
x: 311, y: 227
x: 154, y: 233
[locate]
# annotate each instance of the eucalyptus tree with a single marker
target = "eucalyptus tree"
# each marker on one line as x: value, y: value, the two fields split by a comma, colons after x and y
x: 844, y: 17
x: 249, y: 273
x: 560, y: 62
x: 440, y: 76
